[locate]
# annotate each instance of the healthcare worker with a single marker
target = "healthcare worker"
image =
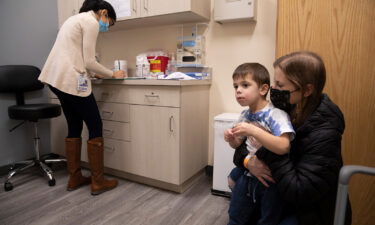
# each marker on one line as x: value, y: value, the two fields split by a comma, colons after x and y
x: 67, y: 71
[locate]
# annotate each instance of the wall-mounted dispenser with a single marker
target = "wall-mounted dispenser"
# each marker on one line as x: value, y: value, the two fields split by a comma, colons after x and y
x: 235, y: 10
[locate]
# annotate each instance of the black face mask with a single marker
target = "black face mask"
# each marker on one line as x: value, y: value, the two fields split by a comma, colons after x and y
x: 281, y: 99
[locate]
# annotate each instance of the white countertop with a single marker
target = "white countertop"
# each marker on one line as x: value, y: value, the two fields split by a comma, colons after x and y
x: 152, y: 82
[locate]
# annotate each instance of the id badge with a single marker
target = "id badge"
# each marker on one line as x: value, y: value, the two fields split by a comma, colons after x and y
x: 82, y: 84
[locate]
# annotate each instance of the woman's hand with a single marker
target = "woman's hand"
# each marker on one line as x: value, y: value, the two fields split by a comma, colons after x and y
x: 119, y: 74
x: 260, y: 170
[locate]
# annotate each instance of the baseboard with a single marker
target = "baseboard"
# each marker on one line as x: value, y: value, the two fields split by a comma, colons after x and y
x: 152, y: 182
x: 221, y: 193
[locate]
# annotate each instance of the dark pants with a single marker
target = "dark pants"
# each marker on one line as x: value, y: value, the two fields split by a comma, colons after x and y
x: 78, y: 110
x: 250, y: 196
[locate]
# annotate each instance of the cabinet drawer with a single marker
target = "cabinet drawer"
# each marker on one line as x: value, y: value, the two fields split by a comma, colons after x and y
x: 116, y: 154
x: 111, y: 93
x: 116, y: 130
x: 114, y: 111
x: 161, y: 96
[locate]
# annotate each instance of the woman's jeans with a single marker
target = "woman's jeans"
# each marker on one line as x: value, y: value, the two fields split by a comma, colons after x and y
x: 289, y: 220
x: 249, y: 196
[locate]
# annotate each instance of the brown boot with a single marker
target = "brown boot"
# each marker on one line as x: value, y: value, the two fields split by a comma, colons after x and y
x: 73, y: 158
x: 95, y: 154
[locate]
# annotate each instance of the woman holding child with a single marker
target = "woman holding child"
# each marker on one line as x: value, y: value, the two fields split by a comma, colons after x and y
x: 307, y: 177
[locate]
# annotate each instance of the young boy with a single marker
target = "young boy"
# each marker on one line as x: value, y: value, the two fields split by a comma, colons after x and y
x: 261, y: 125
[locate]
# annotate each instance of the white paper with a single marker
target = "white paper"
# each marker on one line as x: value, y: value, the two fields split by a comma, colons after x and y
x: 122, y: 7
x: 179, y: 75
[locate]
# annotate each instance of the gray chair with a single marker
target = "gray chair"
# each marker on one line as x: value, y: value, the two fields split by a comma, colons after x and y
x: 18, y: 79
x: 346, y: 173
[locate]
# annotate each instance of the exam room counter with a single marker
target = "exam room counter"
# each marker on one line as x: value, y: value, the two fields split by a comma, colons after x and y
x: 155, y: 131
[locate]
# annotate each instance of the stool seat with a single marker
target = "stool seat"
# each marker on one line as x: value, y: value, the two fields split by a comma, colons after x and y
x: 34, y: 112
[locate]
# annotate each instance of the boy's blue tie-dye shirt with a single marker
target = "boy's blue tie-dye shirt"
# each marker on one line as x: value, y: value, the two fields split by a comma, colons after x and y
x: 271, y: 119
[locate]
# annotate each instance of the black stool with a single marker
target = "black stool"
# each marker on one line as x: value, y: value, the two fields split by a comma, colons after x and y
x: 18, y: 79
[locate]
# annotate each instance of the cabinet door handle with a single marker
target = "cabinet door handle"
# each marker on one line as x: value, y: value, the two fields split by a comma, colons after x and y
x: 145, y: 4
x: 109, y: 149
x: 135, y: 6
x: 152, y: 96
x: 170, y: 123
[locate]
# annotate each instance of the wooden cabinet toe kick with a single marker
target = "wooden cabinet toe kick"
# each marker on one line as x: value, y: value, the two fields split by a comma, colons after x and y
x: 152, y: 182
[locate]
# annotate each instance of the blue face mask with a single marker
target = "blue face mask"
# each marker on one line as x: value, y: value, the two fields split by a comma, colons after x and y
x: 103, y: 27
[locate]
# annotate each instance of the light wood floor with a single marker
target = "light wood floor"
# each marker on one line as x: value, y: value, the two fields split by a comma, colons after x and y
x: 32, y: 201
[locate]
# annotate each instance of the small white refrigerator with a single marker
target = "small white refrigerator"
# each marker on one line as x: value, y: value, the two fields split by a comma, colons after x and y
x: 223, y: 154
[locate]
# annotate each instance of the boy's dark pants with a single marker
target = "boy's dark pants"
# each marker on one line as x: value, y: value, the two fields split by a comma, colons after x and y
x: 249, y: 196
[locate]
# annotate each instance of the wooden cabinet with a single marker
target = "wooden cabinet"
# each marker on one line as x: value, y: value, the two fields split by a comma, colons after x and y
x: 146, y: 8
x: 162, y: 7
x: 147, y: 12
x: 67, y: 8
x: 164, y: 12
x: 154, y: 134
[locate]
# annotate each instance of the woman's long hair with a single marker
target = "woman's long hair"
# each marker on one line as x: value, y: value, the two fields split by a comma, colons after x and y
x: 303, y: 68
x: 96, y: 5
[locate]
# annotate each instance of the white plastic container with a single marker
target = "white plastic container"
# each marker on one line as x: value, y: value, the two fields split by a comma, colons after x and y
x: 146, y: 69
x: 120, y: 65
x: 223, y: 153
x: 142, y: 66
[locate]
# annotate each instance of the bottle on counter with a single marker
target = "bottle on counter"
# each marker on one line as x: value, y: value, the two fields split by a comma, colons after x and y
x: 142, y: 66
x: 171, y: 67
x: 138, y: 66
x: 146, y: 68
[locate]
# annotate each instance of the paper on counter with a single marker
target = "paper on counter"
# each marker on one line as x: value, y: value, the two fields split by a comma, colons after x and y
x: 178, y: 76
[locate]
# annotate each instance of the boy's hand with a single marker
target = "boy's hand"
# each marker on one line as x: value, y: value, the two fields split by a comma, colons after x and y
x: 228, y: 135
x: 243, y: 129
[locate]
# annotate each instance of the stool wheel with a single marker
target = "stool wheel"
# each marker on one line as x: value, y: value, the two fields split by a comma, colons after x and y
x: 52, y: 182
x: 8, y: 186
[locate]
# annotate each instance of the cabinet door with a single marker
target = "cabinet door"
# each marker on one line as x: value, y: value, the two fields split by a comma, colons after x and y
x: 155, y: 142
x: 68, y: 8
x: 162, y: 7
x: 135, y: 9
x: 126, y: 9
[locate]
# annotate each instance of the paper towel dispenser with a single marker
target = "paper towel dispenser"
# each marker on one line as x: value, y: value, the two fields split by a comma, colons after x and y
x: 234, y: 10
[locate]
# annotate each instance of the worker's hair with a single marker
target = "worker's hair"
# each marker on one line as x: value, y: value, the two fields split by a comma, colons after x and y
x: 96, y: 5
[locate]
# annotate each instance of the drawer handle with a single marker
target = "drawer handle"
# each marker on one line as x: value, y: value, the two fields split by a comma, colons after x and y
x: 109, y: 131
x: 152, y: 96
x: 170, y: 124
x: 109, y: 149
x: 107, y: 112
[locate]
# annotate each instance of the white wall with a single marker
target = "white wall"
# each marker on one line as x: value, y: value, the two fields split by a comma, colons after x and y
x: 227, y: 46
x: 28, y: 31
